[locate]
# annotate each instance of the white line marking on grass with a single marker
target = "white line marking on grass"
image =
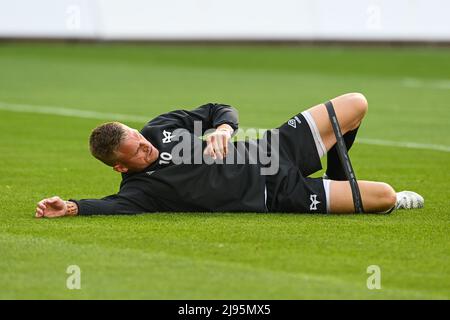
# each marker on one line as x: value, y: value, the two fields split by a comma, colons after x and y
x: 433, y: 84
x: 66, y: 112
x: 401, y: 144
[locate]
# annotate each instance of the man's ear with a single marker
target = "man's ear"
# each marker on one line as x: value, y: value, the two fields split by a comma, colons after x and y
x: 120, y: 168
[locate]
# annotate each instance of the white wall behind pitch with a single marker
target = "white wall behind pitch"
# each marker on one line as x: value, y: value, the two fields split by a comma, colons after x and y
x: 49, y: 18
x: 414, y: 20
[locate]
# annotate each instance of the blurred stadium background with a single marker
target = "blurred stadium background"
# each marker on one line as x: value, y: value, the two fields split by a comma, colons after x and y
x: 349, y: 20
x: 66, y: 66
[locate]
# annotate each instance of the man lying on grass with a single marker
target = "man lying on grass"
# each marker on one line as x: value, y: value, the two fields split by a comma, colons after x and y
x: 227, y: 176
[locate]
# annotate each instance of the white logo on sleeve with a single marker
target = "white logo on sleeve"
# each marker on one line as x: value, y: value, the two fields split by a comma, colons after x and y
x: 314, y: 202
x: 168, y: 136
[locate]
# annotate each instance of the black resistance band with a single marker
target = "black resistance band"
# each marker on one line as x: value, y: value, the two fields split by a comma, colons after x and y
x: 345, y: 159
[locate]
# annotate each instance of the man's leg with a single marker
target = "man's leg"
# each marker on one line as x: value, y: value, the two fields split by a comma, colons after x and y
x: 376, y: 197
x: 350, y: 109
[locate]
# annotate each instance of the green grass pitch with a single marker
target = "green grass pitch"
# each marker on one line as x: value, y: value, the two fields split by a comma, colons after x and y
x: 221, y: 256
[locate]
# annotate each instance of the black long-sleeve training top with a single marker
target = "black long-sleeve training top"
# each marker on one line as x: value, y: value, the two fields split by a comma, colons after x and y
x: 207, y: 187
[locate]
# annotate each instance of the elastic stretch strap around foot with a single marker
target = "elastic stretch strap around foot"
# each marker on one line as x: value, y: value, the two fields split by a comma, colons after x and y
x: 344, y: 158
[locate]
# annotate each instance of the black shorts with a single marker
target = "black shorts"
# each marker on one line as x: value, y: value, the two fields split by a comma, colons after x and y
x: 300, y: 149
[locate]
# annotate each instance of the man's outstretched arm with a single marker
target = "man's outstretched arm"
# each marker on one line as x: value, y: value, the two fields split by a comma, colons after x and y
x: 56, y: 207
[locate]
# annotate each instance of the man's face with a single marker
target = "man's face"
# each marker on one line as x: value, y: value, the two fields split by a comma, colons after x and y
x: 135, y: 153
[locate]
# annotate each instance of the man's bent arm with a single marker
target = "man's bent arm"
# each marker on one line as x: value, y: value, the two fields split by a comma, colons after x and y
x: 211, y: 115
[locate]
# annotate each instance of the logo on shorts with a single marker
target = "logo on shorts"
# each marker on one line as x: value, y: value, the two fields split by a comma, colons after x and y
x: 314, y: 202
x: 293, y: 122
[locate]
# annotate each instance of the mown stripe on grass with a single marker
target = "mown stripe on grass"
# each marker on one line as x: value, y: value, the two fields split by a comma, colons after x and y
x: 102, y: 280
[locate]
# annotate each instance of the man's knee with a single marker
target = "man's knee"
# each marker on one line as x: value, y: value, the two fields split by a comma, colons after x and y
x: 387, y: 197
x: 359, y: 103
x: 356, y: 106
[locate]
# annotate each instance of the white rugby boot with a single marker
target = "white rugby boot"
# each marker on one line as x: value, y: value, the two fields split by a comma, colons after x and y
x: 409, y: 200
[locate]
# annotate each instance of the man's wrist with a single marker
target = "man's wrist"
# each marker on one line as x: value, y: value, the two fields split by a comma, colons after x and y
x: 71, y: 208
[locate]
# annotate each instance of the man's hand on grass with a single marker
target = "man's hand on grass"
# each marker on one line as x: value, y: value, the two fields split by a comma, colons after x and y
x: 217, y: 142
x: 51, y: 208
